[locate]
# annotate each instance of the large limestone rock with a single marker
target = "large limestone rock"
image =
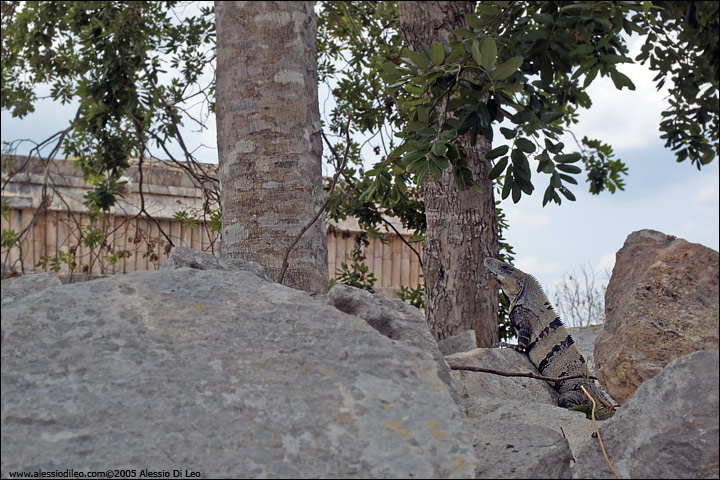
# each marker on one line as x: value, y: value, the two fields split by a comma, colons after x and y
x: 394, y: 318
x: 518, y: 450
x: 26, y: 285
x: 222, y: 373
x: 460, y: 342
x: 488, y: 385
x: 522, y: 407
x: 661, y: 303
x: 668, y: 429
x: 188, y: 257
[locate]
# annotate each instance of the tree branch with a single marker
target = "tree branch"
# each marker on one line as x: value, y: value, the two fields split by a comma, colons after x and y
x: 517, y: 374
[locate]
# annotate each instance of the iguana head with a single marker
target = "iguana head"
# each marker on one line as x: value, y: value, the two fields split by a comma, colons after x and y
x: 511, y: 280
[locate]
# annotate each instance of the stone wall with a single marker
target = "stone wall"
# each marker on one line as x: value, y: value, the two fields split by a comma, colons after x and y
x: 138, y: 242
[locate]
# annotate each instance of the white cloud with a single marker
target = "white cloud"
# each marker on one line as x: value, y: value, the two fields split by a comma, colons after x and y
x: 605, y: 264
x: 534, y: 266
x: 707, y: 195
x: 623, y: 118
x: 519, y: 217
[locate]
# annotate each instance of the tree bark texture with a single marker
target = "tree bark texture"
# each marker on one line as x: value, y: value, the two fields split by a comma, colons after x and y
x: 269, y: 143
x: 461, y: 224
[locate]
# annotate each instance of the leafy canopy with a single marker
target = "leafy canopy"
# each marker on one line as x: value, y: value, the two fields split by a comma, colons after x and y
x: 528, y: 64
x: 113, y: 58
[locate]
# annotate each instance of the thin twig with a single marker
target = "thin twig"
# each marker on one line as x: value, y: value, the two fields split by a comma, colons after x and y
x: 597, y: 431
x: 340, y: 169
x: 516, y: 374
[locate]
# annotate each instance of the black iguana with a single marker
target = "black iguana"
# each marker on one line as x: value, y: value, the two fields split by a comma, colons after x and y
x: 542, y: 335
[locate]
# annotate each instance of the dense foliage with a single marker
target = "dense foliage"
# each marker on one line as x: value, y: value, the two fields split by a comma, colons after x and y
x: 526, y: 66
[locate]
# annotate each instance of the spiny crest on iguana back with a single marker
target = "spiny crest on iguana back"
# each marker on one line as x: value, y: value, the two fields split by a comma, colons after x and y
x: 542, y: 335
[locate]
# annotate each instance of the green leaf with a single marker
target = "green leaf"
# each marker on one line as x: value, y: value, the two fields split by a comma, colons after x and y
x: 464, y: 33
x: 549, y: 117
x: 520, y: 164
x: 516, y: 192
x: 507, y: 186
x: 582, y: 50
x: 525, y: 145
x: 510, y: 87
x: 440, y: 162
x: 415, y: 166
x: 568, y: 194
x: 612, y: 58
x: 498, y: 168
x: 475, y: 50
x: 568, y: 168
x: 524, y: 185
x: 488, y: 53
x: 555, y: 180
x: 437, y: 53
x: 496, y: 152
x: 568, y: 179
x: 417, y: 59
x: 390, y: 67
x: 548, y: 195
x: 568, y: 158
x: 414, y: 89
x: 621, y: 80
x: 591, y: 76
x: 543, y: 18
x: 546, y: 166
x: 554, y: 147
x: 507, y: 133
x: 507, y: 68
x: 412, y: 156
x: 439, y: 149
x: 473, y: 21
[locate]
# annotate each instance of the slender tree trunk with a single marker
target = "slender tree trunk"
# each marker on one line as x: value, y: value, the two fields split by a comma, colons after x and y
x: 461, y: 225
x: 269, y: 142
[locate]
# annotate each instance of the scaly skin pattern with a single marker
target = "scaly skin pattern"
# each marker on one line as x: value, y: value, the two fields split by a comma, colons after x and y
x: 542, y: 335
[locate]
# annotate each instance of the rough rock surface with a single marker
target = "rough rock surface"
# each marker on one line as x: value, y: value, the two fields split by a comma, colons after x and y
x: 460, y: 342
x: 188, y: 257
x: 522, y: 419
x: 26, y: 285
x: 222, y: 373
x: 504, y: 403
x: 661, y: 303
x: 668, y: 429
x: 516, y: 450
x: 395, y: 319
x: 488, y: 385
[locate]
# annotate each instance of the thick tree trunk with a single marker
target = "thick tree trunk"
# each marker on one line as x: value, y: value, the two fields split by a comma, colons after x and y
x: 461, y: 225
x: 269, y: 143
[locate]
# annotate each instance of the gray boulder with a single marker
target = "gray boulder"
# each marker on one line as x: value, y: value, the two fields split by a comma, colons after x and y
x: 222, y: 373
x: 524, y: 419
x: 187, y: 257
x: 517, y: 450
x: 393, y: 318
x: 460, y: 342
x: 26, y: 285
x: 488, y: 385
x: 524, y: 407
x: 668, y: 429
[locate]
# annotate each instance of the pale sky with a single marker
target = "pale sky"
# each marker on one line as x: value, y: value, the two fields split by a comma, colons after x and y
x: 660, y: 194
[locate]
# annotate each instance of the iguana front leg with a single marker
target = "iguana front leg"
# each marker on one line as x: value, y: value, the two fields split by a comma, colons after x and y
x: 520, y: 318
